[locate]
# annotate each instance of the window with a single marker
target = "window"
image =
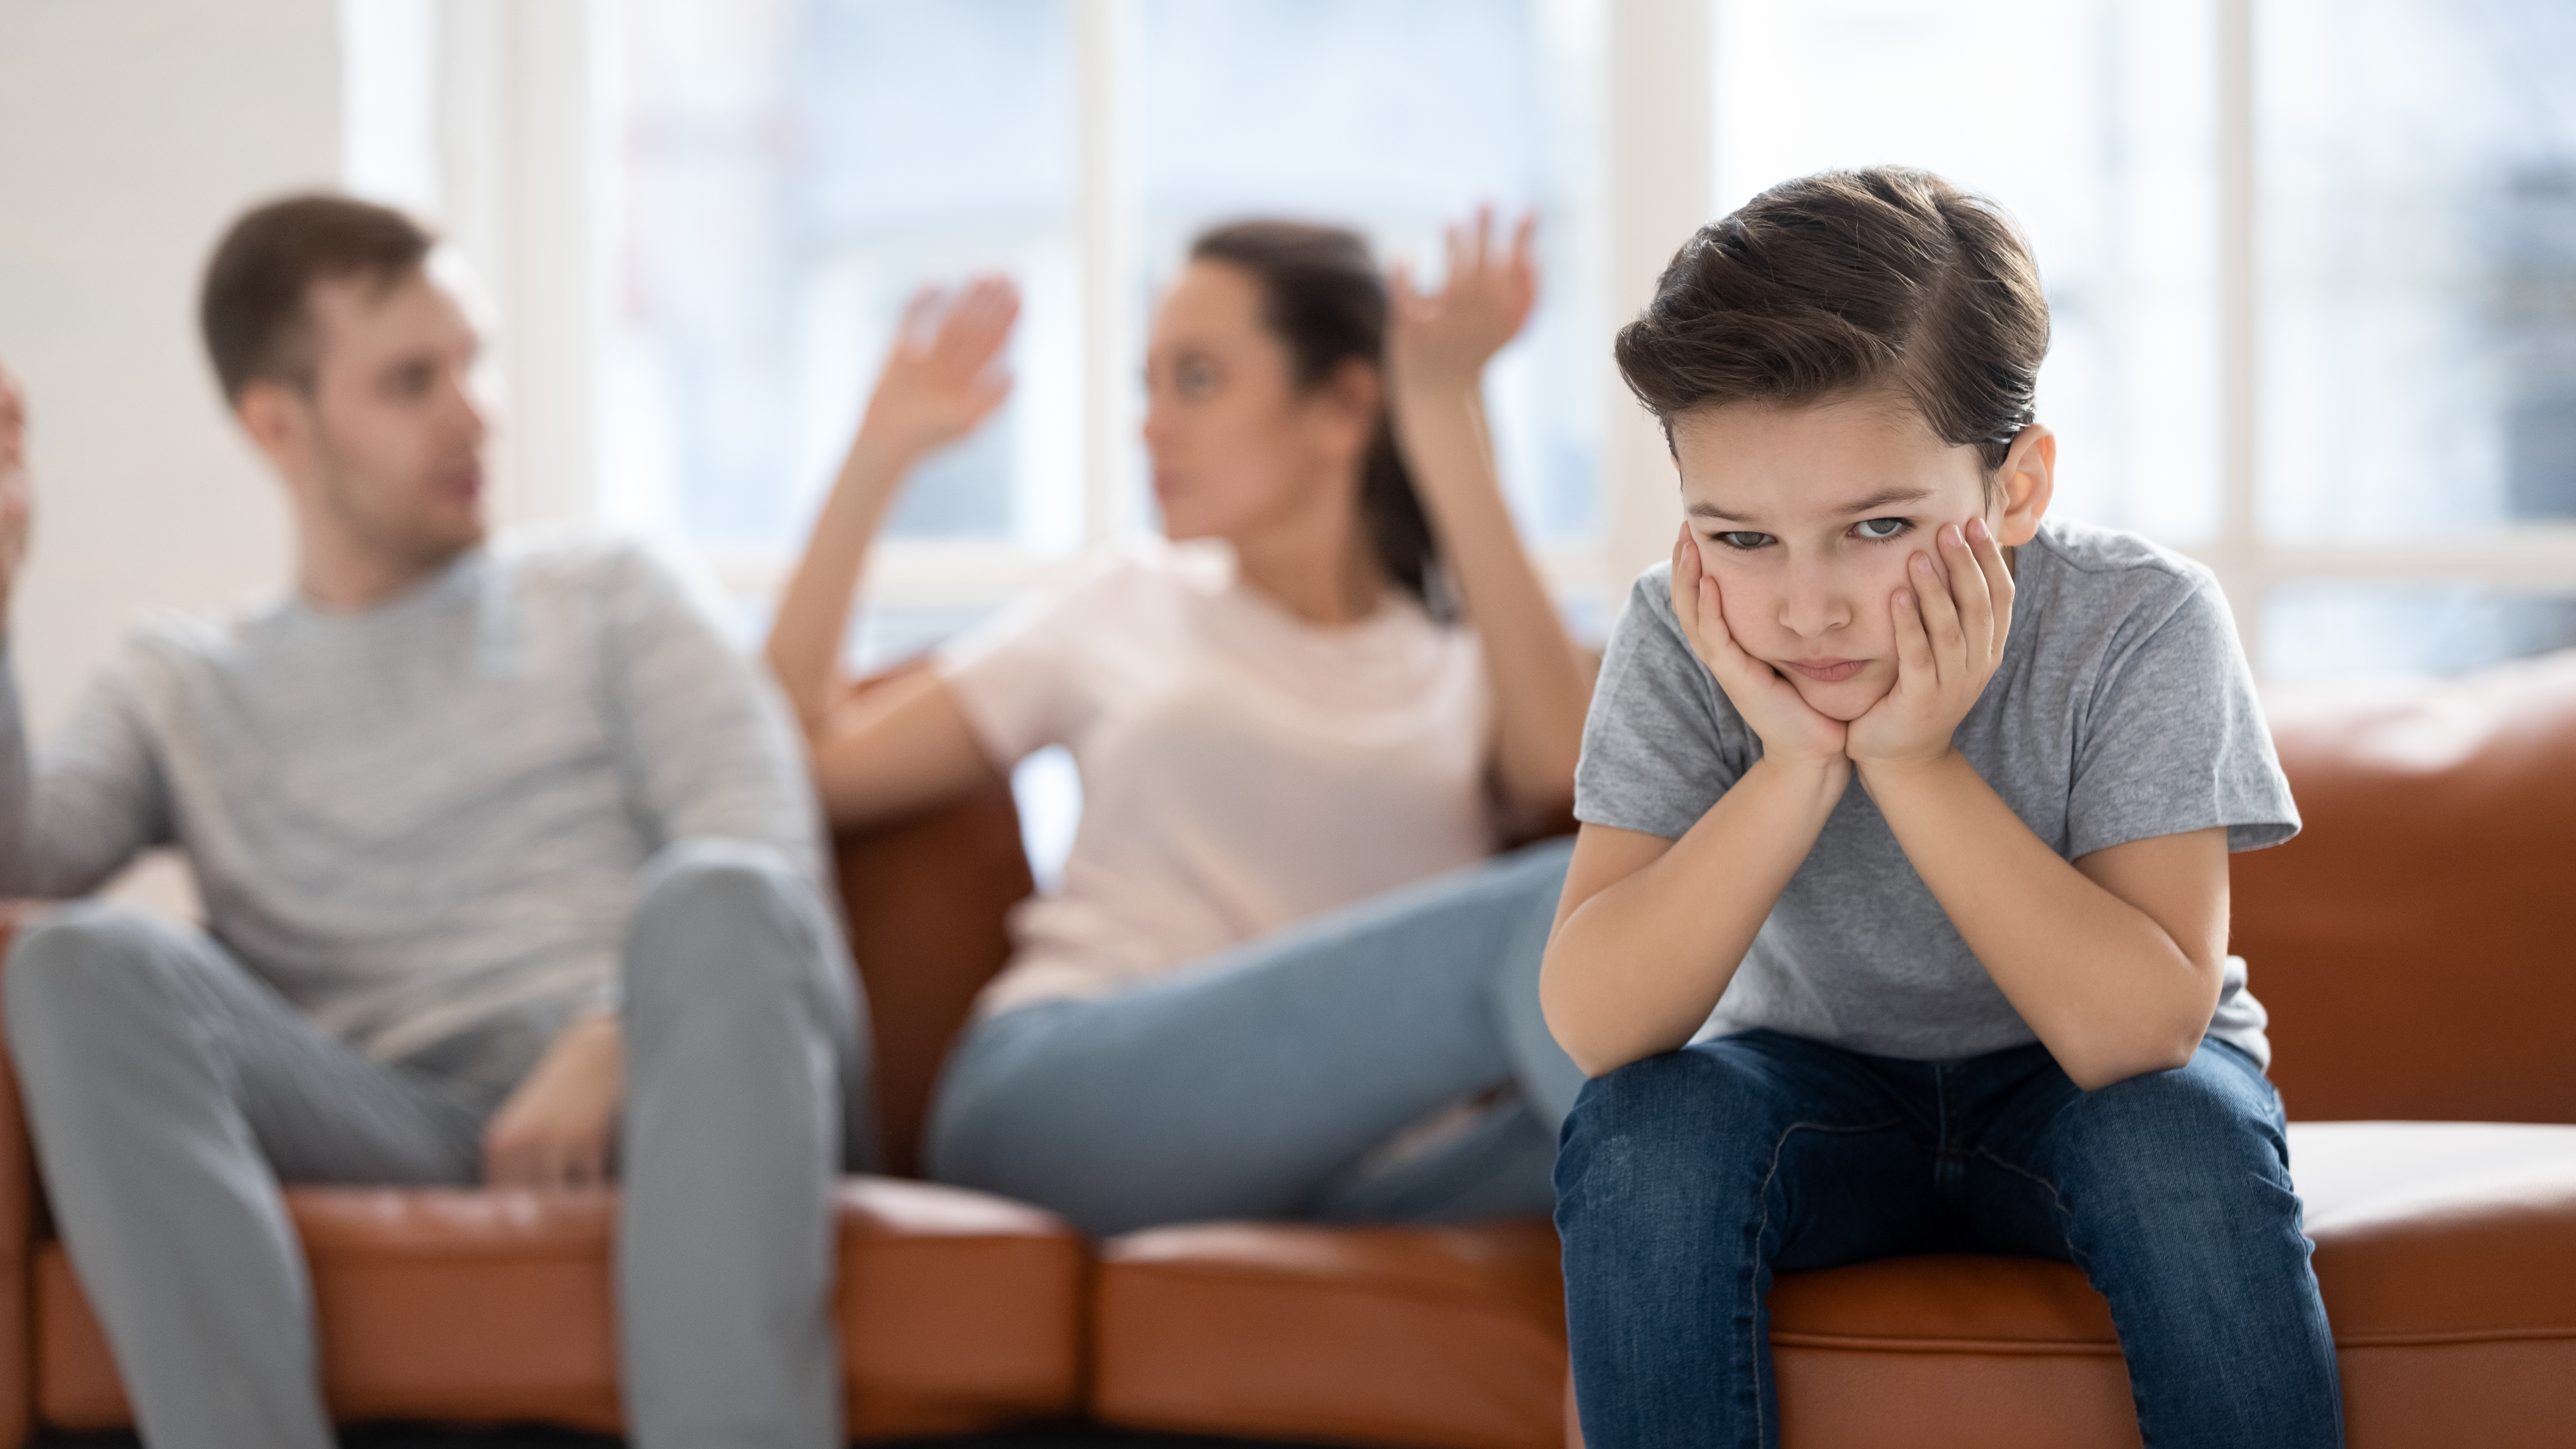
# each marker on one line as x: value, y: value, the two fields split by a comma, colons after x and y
x: 787, y: 173
x: 2310, y: 260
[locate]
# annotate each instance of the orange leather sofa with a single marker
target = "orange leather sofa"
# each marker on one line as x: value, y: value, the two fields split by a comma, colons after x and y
x: 2409, y: 944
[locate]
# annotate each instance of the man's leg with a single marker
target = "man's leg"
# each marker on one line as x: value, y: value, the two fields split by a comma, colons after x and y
x: 1248, y: 1086
x: 2172, y: 1192
x: 168, y: 1092
x: 744, y: 1099
x: 1685, y: 1180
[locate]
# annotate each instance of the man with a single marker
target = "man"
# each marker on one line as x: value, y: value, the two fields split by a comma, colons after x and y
x: 511, y: 874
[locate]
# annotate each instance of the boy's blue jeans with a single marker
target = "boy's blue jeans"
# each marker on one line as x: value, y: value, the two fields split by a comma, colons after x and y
x: 1686, y: 1180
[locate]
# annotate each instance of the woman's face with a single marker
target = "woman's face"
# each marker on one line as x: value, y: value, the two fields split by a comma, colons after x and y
x: 1806, y: 517
x: 1237, y: 446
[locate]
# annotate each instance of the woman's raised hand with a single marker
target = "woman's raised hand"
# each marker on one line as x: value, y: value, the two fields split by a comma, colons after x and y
x: 1448, y: 335
x: 1791, y: 730
x: 941, y: 377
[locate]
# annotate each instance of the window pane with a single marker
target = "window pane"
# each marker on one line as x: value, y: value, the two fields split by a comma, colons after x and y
x: 2093, y: 122
x: 791, y: 170
x: 2418, y: 167
x: 1395, y: 116
x: 2346, y: 629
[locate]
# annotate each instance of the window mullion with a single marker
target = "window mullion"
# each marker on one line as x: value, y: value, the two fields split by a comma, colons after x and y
x: 1104, y: 54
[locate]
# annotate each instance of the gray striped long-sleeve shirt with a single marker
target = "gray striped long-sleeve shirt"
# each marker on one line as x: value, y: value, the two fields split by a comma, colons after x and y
x: 413, y: 819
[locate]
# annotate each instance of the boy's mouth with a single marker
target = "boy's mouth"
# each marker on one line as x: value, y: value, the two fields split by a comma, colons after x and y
x: 1826, y: 671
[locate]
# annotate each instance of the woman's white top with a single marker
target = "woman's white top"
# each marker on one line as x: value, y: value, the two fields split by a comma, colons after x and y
x: 1241, y: 769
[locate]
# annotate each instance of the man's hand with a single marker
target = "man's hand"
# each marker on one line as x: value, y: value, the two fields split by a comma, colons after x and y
x: 1949, y: 639
x: 17, y: 502
x: 556, y: 1129
x: 939, y: 379
x: 1791, y: 730
x: 1445, y: 339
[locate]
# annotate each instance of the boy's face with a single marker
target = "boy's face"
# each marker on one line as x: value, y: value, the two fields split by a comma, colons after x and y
x: 1806, y: 516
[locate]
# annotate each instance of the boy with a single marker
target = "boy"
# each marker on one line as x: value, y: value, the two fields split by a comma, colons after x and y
x: 1982, y: 1002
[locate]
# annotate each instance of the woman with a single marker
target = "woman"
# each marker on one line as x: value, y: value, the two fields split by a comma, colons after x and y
x: 1282, y: 976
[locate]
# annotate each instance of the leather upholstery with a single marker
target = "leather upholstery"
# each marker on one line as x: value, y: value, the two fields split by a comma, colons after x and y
x: 959, y: 1311
x: 2410, y: 943
x: 1450, y: 1337
x: 2447, y: 1254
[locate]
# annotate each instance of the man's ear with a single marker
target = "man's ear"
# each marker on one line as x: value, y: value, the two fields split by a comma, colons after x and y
x: 279, y: 419
x: 2024, y: 485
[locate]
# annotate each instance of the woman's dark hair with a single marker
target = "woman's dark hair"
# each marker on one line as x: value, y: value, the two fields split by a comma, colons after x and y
x: 253, y: 308
x: 1844, y: 282
x: 1322, y: 297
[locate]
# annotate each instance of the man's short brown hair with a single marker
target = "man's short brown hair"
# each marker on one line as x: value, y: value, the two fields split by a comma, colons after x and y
x: 1845, y: 282
x: 254, y: 309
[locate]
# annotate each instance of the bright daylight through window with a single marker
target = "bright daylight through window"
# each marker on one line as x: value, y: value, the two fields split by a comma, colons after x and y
x: 2310, y: 264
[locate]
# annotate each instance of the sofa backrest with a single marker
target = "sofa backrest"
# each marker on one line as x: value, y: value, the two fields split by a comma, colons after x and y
x: 2413, y: 943
x: 2410, y: 943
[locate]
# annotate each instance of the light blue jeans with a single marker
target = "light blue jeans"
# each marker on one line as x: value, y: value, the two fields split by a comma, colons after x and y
x: 171, y: 1091
x: 1256, y: 1085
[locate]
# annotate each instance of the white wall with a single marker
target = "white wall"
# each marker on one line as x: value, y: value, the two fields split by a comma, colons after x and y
x: 134, y: 131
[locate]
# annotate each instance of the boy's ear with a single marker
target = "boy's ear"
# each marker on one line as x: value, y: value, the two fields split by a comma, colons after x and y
x: 2024, y: 485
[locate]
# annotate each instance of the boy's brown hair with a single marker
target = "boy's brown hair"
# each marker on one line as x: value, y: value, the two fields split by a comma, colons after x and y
x: 253, y: 309
x: 1845, y: 282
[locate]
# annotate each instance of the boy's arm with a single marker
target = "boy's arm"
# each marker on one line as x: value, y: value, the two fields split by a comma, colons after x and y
x: 1649, y: 931
x: 2114, y: 960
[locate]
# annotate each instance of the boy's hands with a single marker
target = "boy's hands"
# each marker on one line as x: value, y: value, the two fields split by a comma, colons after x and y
x: 1949, y: 638
x: 556, y: 1129
x: 17, y: 503
x: 1791, y: 730
x: 939, y: 379
x: 1446, y: 338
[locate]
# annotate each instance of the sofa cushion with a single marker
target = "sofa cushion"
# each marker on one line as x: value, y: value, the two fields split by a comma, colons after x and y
x: 958, y: 1311
x: 1444, y: 1338
x: 2447, y: 1255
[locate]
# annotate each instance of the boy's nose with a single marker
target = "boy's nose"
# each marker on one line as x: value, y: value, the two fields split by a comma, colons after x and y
x: 1812, y: 605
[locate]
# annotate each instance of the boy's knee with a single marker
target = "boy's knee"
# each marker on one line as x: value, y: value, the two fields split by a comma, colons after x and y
x: 2193, y: 1153
x: 1653, y: 1125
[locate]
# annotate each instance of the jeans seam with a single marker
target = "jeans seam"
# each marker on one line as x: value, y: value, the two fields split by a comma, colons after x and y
x: 1762, y: 1230
x: 2056, y: 1199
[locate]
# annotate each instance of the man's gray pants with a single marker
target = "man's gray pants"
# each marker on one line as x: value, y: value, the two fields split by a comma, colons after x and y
x: 170, y: 1092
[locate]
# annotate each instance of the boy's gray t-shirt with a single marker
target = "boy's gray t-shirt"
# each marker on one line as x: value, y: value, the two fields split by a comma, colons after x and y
x: 2122, y: 710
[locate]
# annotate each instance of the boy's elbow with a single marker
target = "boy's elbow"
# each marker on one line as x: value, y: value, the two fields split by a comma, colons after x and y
x: 2110, y: 1063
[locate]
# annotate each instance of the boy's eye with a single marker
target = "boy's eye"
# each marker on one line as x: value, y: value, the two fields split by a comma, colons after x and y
x: 1194, y: 378
x: 1740, y: 539
x: 1880, y: 527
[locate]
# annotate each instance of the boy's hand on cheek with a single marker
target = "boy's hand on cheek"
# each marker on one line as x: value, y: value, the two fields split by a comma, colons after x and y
x: 1949, y: 639
x: 1792, y: 730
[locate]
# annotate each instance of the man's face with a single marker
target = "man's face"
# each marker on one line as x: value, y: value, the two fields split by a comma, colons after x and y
x: 392, y: 442
x: 1805, y: 517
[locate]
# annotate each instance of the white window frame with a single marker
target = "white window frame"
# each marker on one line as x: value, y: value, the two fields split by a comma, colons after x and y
x: 523, y: 163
